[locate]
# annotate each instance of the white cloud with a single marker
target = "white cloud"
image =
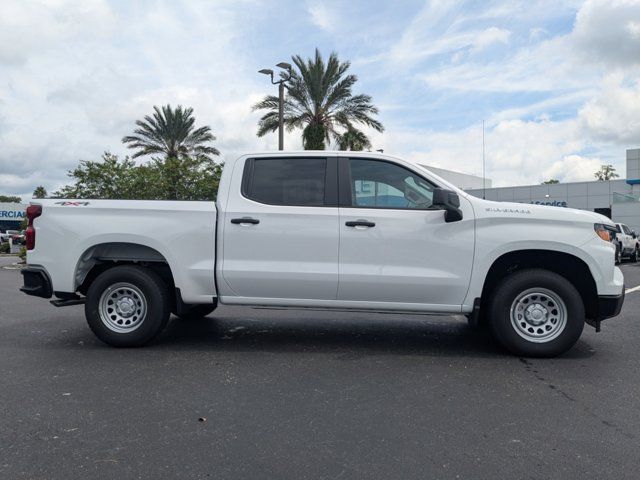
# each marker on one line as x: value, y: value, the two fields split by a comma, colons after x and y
x: 416, y: 46
x: 574, y: 168
x: 77, y: 96
x: 542, y: 67
x: 536, y: 33
x: 614, y: 114
x: 37, y: 26
x: 322, y: 16
x: 517, y: 152
x: 489, y: 37
x: 607, y: 31
x: 524, y: 144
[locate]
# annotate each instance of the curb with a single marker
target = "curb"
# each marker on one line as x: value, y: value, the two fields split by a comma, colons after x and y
x: 14, y: 266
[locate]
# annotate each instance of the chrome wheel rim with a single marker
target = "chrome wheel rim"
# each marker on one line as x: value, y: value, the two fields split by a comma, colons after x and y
x: 538, y: 315
x: 122, y: 307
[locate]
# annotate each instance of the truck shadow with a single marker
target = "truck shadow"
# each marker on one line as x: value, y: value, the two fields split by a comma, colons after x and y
x: 352, y: 334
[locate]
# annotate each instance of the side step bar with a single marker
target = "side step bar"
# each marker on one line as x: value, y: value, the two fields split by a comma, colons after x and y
x: 68, y: 300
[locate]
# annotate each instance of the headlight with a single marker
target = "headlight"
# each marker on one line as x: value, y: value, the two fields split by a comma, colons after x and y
x: 603, y: 231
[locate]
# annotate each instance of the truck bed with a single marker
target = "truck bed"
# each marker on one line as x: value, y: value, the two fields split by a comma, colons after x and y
x: 73, y: 234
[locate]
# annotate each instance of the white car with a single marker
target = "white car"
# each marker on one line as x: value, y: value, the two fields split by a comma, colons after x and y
x: 4, y: 237
x: 626, y: 242
x: 332, y: 230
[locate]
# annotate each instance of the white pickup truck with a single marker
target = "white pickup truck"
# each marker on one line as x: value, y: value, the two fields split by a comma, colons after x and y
x: 626, y: 242
x: 334, y: 230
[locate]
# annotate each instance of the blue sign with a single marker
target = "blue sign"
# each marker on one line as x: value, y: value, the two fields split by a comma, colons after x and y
x: 553, y: 203
x: 12, y: 214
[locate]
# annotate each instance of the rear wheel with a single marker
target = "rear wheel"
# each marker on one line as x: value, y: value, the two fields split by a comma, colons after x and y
x: 536, y: 313
x: 127, y: 306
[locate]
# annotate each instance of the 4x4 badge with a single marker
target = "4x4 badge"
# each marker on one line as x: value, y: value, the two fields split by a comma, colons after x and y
x: 73, y: 204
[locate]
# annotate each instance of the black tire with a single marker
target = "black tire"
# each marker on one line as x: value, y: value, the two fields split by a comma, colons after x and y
x: 150, y: 321
x: 196, y: 312
x: 634, y: 256
x: 506, y: 332
x: 618, y: 257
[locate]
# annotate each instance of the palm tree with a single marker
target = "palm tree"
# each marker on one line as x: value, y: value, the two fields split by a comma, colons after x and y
x: 353, y: 139
x: 606, y: 172
x: 170, y: 132
x: 40, y: 192
x: 319, y: 101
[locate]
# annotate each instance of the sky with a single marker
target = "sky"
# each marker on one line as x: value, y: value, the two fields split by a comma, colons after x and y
x: 556, y: 82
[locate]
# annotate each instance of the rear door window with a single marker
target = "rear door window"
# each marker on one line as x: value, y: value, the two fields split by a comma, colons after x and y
x: 286, y: 181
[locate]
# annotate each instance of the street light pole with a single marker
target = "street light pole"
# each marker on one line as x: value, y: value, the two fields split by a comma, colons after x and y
x: 281, y: 116
x: 281, y: 86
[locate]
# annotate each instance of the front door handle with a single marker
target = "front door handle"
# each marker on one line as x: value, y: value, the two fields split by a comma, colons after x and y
x: 360, y: 223
x: 238, y: 221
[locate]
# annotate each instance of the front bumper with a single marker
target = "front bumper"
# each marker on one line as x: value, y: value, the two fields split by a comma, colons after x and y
x: 610, y: 305
x: 36, y: 282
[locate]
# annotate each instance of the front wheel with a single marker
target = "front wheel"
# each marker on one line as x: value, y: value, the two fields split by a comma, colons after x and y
x: 536, y: 313
x: 127, y: 306
x: 634, y: 256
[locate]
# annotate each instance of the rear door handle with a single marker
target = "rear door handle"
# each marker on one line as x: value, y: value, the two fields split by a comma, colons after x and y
x: 238, y: 221
x: 360, y: 223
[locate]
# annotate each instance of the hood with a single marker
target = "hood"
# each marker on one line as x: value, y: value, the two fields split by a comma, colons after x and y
x: 488, y: 208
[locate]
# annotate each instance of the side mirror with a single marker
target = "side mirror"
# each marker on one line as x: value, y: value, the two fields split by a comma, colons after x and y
x: 633, y: 234
x: 448, y: 201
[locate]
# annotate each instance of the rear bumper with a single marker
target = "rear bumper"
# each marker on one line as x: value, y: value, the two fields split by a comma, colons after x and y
x: 36, y: 282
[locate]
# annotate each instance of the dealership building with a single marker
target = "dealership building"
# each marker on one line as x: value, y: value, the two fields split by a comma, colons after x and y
x: 11, y: 215
x: 618, y: 199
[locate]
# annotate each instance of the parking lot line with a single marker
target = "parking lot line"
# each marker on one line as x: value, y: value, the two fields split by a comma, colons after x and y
x: 634, y: 289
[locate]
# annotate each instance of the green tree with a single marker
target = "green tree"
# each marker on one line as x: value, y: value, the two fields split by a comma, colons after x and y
x: 173, y: 179
x: 320, y: 102
x: 606, y: 172
x: 551, y: 181
x: 10, y: 199
x: 108, y: 178
x: 171, y: 133
x: 40, y: 192
x: 182, y: 165
x: 353, y: 139
x: 184, y: 178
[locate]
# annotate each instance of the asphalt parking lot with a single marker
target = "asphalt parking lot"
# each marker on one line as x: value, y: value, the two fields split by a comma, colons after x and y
x: 263, y: 393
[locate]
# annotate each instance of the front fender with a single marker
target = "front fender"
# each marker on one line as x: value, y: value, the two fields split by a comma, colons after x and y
x: 488, y: 257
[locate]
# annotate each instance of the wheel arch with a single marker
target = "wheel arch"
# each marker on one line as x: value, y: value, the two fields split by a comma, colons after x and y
x: 572, y: 268
x: 103, y: 256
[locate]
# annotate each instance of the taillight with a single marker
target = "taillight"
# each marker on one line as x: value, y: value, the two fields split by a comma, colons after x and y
x: 33, y: 212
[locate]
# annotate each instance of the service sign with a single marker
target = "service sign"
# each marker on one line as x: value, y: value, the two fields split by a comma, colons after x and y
x: 551, y: 203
